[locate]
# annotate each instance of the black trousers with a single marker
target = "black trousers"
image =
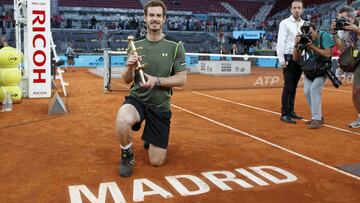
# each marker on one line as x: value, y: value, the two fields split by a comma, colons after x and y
x: 292, y: 74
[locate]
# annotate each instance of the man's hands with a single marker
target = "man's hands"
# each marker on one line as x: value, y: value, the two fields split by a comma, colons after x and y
x: 310, y: 45
x: 133, y: 61
x: 150, y: 81
x: 351, y: 27
x: 297, y: 39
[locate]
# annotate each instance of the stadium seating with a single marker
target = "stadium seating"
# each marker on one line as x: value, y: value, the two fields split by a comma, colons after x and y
x: 247, y: 8
x: 283, y: 4
x: 129, y: 4
x: 7, y: 2
x: 200, y: 6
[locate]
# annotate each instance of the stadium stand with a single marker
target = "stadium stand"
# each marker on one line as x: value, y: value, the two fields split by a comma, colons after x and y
x: 207, y: 6
x: 284, y: 4
x: 199, y: 33
x: 247, y: 8
x: 130, y: 4
x: 6, y: 2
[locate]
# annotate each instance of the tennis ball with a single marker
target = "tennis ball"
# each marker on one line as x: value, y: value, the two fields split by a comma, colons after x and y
x: 15, y: 92
x: 10, y: 57
x: 10, y: 76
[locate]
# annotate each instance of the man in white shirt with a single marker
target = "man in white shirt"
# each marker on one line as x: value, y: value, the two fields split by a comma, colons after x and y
x: 289, y: 28
x: 346, y: 38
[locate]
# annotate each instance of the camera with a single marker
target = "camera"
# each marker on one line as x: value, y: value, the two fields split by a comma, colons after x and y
x: 331, y: 75
x: 340, y: 23
x: 305, y: 37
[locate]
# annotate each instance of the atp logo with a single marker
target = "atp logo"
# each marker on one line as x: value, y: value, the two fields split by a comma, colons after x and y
x: 164, y: 54
x: 12, y: 59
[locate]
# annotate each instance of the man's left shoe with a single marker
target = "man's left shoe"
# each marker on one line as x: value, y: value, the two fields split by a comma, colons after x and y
x: 315, y: 124
x: 308, y: 122
x: 294, y: 116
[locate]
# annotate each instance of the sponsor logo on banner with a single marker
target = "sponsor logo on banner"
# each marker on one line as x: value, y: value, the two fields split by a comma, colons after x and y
x: 226, y: 67
x: 202, y: 66
x: 38, y: 48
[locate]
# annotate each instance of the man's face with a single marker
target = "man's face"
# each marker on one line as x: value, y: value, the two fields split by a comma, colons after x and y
x: 313, y: 33
x: 346, y: 16
x: 296, y: 9
x: 155, y: 19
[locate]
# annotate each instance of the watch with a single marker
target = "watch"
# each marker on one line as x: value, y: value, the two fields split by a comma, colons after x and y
x: 158, y: 83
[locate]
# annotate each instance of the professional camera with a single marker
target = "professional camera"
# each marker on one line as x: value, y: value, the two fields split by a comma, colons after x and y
x: 340, y: 23
x: 305, y: 37
x: 331, y: 75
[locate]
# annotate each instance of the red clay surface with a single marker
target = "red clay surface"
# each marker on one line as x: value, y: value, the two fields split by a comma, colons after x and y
x: 41, y: 155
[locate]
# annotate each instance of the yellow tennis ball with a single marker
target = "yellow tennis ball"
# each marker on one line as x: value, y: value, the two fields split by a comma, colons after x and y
x: 10, y: 57
x: 15, y: 92
x: 10, y: 76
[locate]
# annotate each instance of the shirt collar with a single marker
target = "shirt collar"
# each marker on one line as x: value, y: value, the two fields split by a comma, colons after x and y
x: 293, y: 19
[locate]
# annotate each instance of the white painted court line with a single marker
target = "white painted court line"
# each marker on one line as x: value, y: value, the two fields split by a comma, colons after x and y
x: 269, y: 143
x: 336, y: 90
x: 269, y: 111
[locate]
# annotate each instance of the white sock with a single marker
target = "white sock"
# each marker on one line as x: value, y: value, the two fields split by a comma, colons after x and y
x: 126, y: 147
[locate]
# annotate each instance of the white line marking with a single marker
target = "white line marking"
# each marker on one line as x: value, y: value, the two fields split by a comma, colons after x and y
x: 269, y: 111
x: 335, y: 90
x: 269, y: 143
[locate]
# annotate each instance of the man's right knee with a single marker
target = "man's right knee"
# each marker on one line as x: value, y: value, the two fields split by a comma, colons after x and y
x: 127, y: 116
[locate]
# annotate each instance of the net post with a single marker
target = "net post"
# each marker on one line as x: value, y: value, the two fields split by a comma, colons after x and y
x: 109, y: 80
x: 106, y: 71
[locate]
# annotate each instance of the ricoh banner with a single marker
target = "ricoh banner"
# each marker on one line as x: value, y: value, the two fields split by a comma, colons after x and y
x: 38, y: 48
x: 225, y: 67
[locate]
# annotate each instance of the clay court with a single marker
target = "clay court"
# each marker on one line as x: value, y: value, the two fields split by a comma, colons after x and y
x: 221, y: 131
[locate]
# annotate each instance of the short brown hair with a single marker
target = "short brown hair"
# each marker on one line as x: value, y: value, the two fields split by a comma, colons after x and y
x: 155, y: 3
x: 300, y: 1
x: 349, y: 10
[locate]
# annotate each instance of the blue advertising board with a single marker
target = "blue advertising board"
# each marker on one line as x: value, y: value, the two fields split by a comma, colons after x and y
x: 255, y: 34
x: 93, y: 60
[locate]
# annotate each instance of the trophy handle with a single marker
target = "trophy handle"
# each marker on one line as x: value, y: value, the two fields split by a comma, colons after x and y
x: 142, y: 76
x: 139, y: 66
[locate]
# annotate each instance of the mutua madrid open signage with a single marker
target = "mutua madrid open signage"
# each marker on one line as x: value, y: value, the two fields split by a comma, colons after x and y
x: 38, y: 48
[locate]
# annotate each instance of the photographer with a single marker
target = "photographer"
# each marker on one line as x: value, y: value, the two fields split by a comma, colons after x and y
x: 346, y: 32
x: 314, y: 48
x: 70, y: 54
